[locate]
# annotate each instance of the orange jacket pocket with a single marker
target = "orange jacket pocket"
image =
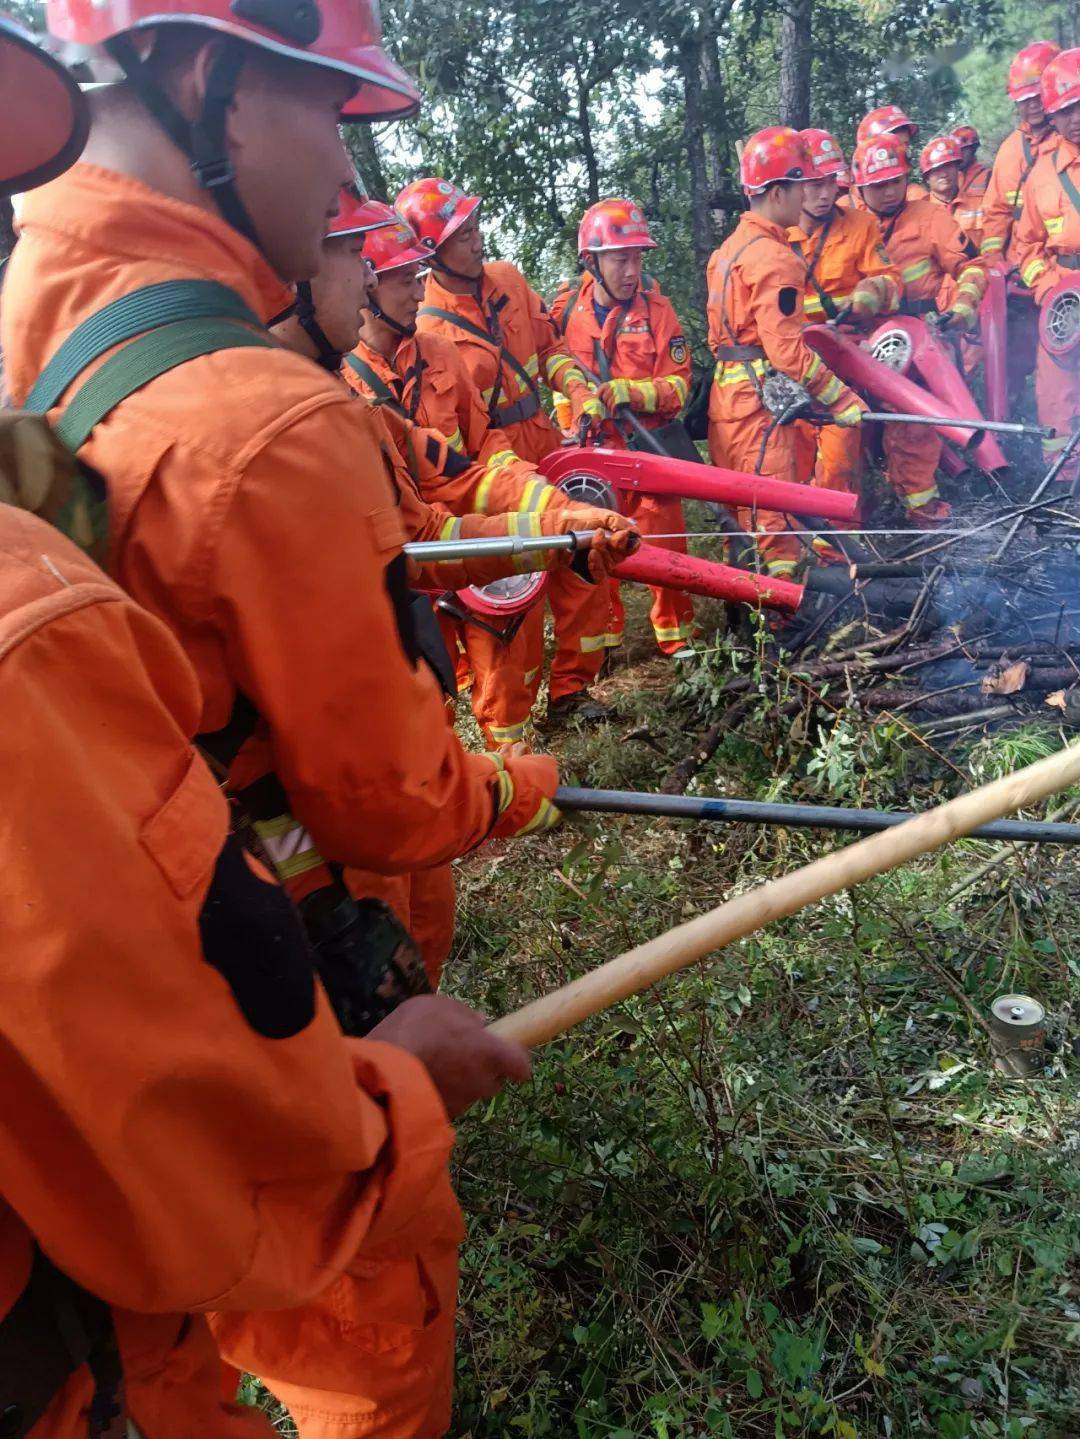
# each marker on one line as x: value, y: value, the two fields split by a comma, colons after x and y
x: 184, y: 837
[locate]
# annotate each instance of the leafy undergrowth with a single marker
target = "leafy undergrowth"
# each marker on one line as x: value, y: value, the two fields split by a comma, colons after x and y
x: 785, y: 1193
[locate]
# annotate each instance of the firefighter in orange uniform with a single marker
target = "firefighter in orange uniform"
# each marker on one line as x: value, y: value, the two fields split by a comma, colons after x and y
x: 941, y: 279
x: 226, y: 1033
x: 1047, y: 245
x: 422, y: 378
x: 623, y: 331
x: 974, y: 180
x: 847, y: 272
x: 250, y: 508
x: 940, y: 165
x: 1004, y: 198
x: 510, y: 346
x: 888, y: 120
x: 756, y: 284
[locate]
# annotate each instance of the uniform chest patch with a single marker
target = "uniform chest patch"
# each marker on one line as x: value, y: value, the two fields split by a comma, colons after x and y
x: 677, y: 350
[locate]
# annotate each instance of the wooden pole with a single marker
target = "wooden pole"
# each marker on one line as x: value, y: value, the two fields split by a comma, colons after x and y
x: 683, y: 946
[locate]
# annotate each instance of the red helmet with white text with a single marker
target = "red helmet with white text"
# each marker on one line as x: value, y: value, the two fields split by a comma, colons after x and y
x: 827, y: 155
x: 435, y: 209
x: 1025, y: 72
x: 1061, y: 82
x: 884, y: 121
x: 773, y: 155
x: 880, y: 159
x: 613, y: 225
x: 942, y: 150
x: 391, y: 242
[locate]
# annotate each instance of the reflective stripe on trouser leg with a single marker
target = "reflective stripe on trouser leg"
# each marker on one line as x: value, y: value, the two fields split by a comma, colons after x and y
x: 912, y: 454
x: 1057, y: 394
x: 738, y: 423
x: 579, y: 610
x: 501, y: 699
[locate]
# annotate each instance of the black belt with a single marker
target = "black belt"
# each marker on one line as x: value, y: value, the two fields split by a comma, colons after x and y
x: 740, y: 352
x: 917, y: 307
x: 1070, y: 261
x: 522, y: 409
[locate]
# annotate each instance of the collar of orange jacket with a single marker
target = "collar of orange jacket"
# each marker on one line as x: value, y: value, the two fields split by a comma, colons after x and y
x: 119, y: 216
x: 1066, y: 155
x: 752, y: 220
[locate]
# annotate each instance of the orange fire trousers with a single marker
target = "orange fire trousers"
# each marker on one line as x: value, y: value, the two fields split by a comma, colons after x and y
x: 1057, y: 394
x: 738, y: 424
x: 912, y: 455
x: 672, y: 611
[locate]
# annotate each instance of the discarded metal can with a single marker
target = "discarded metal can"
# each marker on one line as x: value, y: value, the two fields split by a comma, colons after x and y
x: 1017, y: 1035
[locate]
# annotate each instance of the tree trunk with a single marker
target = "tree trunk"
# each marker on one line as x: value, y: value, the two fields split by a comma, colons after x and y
x: 365, y: 153
x: 588, y: 147
x: 690, y: 63
x: 795, y: 63
x: 715, y: 109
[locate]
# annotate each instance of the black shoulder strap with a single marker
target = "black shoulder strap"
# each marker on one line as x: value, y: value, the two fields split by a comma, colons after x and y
x: 1068, y: 185
x: 828, y: 304
x: 572, y: 300
x: 1030, y: 156
x: 384, y: 395
x: 468, y: 328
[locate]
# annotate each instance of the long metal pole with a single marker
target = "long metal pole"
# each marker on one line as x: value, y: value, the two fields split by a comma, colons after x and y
x: 432, y: 551
x: 795, y: 816
x: 958, y: 422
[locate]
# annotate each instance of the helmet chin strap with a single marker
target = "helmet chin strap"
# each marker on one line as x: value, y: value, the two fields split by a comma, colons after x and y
x: 326, y: 355
x: 592, y: 265
x: 437, y: 264
x: 202, y: 141
x: 405, y: 331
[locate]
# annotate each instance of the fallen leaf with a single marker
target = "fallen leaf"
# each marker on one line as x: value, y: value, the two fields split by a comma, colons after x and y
x: 1057, y: 700
x: 1007, y: 680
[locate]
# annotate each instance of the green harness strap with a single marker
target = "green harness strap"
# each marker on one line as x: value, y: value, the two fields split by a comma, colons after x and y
x: 384, y: 395
x: 1070, y: 189
x: 144, y: 359
x: 131, y: 315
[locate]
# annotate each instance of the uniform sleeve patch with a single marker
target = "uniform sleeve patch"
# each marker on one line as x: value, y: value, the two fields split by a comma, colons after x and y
x: 788, y: 299
x: 677, y: 350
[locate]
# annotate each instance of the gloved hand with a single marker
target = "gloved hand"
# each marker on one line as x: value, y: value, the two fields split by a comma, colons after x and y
x: 640, y: 395
x: 865, y: 304
x: 526, y: 784
x: 586, y: 411
x: 847, y: 409
x: 617, y: 537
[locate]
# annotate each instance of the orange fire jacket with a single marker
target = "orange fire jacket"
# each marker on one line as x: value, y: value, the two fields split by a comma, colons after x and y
x: 1013, y: 164
x: 1048, y: 231
x: 929, y: 251
x: 251, y: 508
x: 967, y: 208
x: 849, y: 263
x: 439, y: 422
x: 164, y: 1152
x: 641, y: 341
x: 756, y: 284
x: 508, y: 307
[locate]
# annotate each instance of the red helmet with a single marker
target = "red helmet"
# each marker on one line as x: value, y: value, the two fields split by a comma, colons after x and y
x: 883, y: 158
x: 339, y: 35
x: 966, y: 136
x: 45, y: 109
x: 827, y: 155
x: 1025, y: 72
x: 613, y: 225
x: 777, y: 153
x: 1061, y: 82
x: 435, y: 209
x: 356, y: 214
x: 391, y: 242
x: 942, y: 150
x: 884, y: 121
